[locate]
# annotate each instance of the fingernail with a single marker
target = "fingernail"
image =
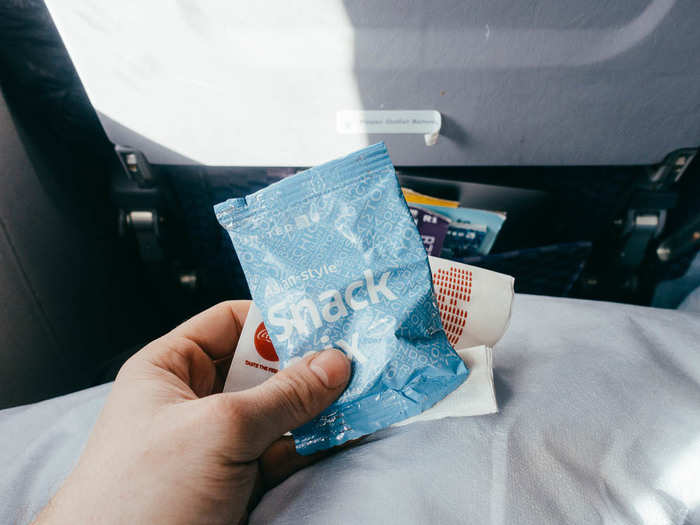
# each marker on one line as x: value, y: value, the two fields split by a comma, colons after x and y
x: 331, y: 367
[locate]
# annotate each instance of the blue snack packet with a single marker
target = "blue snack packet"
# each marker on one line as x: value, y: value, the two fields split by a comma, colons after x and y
x: 334, y: 260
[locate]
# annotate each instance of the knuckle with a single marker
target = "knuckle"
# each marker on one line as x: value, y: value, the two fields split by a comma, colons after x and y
x: 128, y: 366
x: 131, y: 367
x: 230, y: 409
x: 229, y: 413
x: 296, y: 394
x: 180, y: 352
x: 182, y: 347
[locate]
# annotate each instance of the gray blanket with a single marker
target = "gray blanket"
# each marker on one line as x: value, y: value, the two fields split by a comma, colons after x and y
x: 599, y: 422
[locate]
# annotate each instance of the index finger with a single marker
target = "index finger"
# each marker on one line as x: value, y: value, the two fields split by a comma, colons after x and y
x: 217, y: 329
x: 280, y: 460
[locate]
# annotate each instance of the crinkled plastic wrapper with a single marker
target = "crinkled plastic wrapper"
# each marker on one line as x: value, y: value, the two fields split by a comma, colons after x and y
x: 334, y: 260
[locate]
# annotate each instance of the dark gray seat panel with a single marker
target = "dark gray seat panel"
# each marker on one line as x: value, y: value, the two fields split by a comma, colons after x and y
x: 66, y: 306
x: 31, y: 366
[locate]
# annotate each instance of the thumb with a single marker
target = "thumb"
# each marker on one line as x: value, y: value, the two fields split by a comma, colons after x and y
x: 294, y: 396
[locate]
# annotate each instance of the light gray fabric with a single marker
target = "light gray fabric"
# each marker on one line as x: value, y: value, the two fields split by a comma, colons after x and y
x: 39, y: 446
x: 600, y: 421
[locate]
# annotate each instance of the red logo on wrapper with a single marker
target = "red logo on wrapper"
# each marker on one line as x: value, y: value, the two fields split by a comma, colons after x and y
x: 452, y: 287
x: 263, y: 344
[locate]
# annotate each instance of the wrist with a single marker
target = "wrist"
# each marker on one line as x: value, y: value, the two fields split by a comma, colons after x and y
x: 70, y: 504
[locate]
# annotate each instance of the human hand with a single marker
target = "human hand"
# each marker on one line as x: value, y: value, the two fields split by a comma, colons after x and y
x: 168, y: 449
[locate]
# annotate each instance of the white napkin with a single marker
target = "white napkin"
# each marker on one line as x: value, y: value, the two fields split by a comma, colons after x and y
x: 474, y: 397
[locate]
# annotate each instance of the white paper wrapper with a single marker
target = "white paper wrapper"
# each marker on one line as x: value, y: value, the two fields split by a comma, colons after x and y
x: 475, y: 309
x: 474, y: 303
x: 251, y: 363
